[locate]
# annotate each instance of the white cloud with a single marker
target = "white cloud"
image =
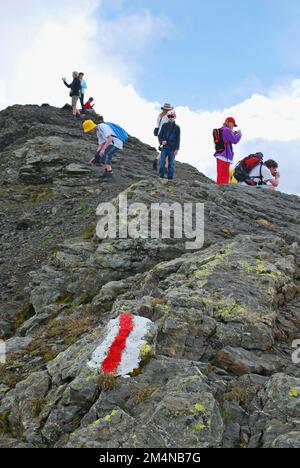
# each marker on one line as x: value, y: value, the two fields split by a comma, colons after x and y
x: 132, y: 32
x: 61, y: 37
x: 269, y: 124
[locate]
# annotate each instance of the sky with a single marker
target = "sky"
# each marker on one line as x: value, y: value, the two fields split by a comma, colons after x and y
x: 211, y: 60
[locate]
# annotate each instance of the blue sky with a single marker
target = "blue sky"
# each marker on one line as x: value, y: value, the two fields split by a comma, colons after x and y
x: 215, y: 54
x: 211, y: 60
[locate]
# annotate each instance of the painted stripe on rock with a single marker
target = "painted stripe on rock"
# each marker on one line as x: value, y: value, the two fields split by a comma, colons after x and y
x: 113, y: 358
x: 111, y: 349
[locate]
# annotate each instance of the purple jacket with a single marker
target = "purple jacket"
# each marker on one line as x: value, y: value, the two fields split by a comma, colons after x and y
x: 229, y: 138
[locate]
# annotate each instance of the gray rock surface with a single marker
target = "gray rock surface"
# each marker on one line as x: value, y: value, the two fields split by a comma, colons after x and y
x: 220, y: 372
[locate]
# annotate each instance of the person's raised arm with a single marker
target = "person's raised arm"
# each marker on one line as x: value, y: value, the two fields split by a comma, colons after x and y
x: 65, y: 83
x: 232, y: 137
x: 276, y: 180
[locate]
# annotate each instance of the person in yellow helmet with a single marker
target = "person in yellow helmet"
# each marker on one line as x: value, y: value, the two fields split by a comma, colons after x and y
x: 108, y: 145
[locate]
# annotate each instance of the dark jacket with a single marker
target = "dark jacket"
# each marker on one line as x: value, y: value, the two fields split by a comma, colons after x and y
x: 170, y: 132
x: 75, y: 86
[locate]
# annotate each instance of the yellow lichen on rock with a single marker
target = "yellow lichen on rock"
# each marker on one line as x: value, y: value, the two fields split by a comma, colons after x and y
x: 109, y: 417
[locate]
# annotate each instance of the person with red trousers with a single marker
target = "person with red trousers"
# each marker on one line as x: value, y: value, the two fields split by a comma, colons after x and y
x: 224, y: 157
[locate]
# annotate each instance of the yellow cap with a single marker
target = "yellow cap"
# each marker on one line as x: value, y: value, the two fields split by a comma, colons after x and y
x: 88, y: 126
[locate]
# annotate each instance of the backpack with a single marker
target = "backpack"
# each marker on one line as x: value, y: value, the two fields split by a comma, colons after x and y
x: 119, y: 132
x: 245, y: 166
x: 218, y: 140
x: 67, y: 107
x: 156, y: 130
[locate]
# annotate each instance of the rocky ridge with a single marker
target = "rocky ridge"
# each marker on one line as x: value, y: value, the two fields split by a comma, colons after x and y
x: 219, y: 372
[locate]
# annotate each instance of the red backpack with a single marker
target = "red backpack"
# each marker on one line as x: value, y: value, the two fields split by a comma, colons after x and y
x: 218, y: 140
x: 245, y: 166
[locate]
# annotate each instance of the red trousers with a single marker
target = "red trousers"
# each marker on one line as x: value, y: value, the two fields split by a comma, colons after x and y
x: 223, y: 172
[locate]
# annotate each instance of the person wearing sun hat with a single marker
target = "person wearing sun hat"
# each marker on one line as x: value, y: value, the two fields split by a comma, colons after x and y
x: 108, y: 145
x: 224, y: 153
x: 161, y: 119
x: 169, y: 139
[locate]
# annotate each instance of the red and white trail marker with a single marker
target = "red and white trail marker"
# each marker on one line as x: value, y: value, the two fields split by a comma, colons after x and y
x: 121, y: 347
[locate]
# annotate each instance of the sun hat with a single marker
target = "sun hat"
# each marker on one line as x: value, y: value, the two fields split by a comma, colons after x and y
x: 167, y: 107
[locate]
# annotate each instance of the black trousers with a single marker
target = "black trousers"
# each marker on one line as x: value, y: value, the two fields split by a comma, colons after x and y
x: 82, y: 101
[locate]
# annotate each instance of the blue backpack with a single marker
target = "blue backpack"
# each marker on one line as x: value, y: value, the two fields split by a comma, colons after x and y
x: 119, y: 132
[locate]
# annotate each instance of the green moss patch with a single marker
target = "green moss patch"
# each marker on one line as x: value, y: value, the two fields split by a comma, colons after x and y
x: 223, y: 307
x: 144, y: 394
x: 107, y: 382
x: 4, y: 423
x: 26, y: 313
x: 36, y: 405
x: 260, y: 268
x: 89, y: 231
x: 65, y: 298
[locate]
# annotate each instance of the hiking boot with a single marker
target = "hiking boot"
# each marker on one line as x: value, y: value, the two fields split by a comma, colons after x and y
x: 108, y: 176
x: 155, y: 164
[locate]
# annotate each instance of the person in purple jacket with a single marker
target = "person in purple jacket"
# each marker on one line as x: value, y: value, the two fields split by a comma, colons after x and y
x: 224, y: 155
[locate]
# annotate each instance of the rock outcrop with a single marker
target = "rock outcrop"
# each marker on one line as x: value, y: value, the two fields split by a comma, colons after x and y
x: 219, y: 371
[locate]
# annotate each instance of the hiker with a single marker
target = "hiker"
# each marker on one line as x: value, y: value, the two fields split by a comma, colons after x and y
x: 264, y: 174
x: 83, y: 88
x: 75, y: 87
x: 89, y: 107
x: 161, y: 119
x: 169, y: 139
x: 108, y: 145
x: 224, y: 138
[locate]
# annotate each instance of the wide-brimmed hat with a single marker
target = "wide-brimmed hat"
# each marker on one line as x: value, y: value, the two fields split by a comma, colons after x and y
x: 167, y: 107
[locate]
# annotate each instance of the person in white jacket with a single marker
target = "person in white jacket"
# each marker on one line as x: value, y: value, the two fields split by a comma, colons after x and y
x: 161, y: 119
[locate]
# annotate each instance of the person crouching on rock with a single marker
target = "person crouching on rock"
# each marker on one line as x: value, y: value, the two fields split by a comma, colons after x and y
x: 89, y: 107
x: 108, y: 145
x: 169, y: 139
x: 75, y: 87
x: 266, y: 175
x: 224, y: 153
